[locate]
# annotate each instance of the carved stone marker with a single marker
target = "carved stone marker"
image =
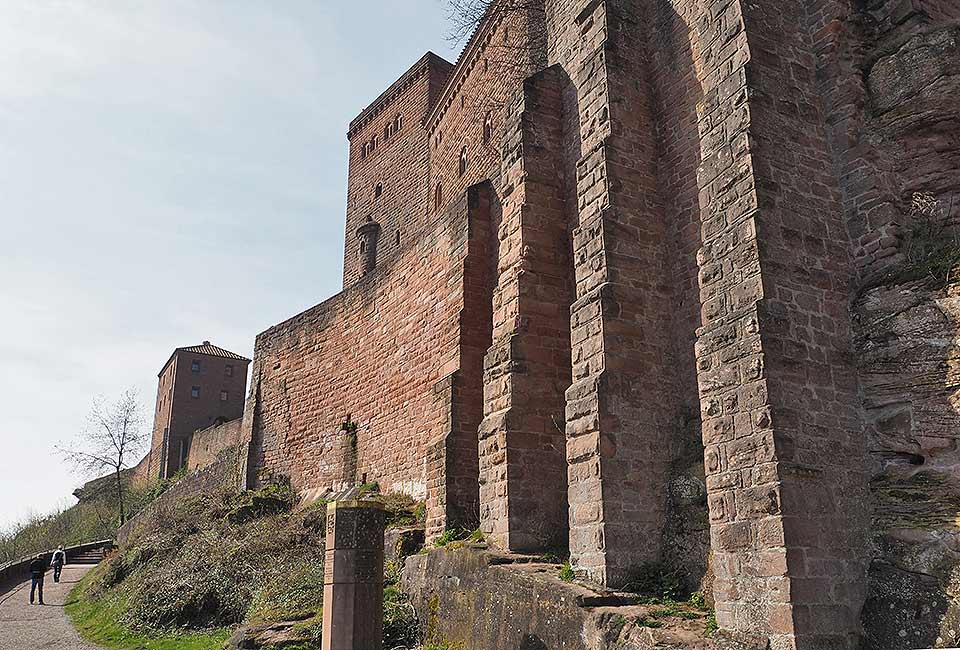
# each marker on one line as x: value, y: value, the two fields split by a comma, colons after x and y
x: 353, y: 576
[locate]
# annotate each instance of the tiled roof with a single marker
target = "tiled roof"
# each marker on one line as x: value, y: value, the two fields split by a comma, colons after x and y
x: 206, y: 348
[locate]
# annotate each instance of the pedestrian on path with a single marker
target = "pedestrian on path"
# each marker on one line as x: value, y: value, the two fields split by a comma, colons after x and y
x: 37, y: 570
x: 59, y: 559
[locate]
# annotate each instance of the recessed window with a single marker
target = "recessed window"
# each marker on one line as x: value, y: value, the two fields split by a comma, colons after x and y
x: 398, y: 123
x: 463, y: 101
x: 228, y: 371
x: 462, y: 169
x: 195, y: 392
x: 488, y: 127
x: 363, y: 246
x: 398, y: 238
x: 386, y: 132
x: 486, y: 65
x: 224, y: 396
x: 438, y: 196
x: 195, y: 366
x: 378, y: 192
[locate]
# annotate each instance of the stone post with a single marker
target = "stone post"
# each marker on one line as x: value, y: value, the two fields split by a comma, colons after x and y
x: 353, y: 576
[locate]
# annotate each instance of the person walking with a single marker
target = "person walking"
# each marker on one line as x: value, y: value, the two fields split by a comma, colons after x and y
x: 37, y: 570
x: 59, y: 559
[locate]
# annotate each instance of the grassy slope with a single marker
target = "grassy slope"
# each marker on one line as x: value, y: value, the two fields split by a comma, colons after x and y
x: 203, y: 565
x: 97, y: 622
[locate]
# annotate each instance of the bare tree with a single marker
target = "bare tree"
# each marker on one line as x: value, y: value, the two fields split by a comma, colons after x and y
x: 113, y: 435
x: 466, y: 15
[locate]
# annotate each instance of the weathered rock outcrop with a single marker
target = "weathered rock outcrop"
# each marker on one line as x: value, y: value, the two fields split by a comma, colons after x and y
x: 475, y: 599
x: 909, y: 350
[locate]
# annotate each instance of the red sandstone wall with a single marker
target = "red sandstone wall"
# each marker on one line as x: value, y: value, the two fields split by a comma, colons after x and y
x: 382, y: 352
x: 206, y: 445
x: 399, y: 164
x: 489, y: 71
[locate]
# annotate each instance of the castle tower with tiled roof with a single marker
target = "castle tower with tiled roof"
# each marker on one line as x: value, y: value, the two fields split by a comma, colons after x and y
x: 199, y: 386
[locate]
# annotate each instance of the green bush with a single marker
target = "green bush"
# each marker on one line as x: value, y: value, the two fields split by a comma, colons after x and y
x: 657, y: 581
x: 400, y: 624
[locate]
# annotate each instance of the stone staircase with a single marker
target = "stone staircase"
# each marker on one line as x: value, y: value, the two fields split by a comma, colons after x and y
x: 90, y: 556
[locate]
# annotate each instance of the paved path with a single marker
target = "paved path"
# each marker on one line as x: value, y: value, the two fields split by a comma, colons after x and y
x: 30, y: 627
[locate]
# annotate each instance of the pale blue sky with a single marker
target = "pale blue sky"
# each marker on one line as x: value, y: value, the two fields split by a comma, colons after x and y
x: 170, y: 171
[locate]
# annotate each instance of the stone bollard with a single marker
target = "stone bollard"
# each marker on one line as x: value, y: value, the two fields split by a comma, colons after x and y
x: 353, y: 576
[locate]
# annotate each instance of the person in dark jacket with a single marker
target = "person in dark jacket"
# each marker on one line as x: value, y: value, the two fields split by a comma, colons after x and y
x: 59, y: 559
x: 37, y: 570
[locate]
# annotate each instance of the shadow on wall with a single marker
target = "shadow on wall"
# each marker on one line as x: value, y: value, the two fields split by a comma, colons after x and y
x: 672, y: 73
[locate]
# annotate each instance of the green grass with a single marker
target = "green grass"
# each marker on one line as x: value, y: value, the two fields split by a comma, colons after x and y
x: 566, y: 573
x: 96, y: 621
x: 712, y: 626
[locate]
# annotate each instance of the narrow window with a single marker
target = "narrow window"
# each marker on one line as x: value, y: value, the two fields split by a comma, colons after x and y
x: 488, y: 127
x: 398, y: 123
x: 195, y: 366
x: 195, y: 392
x: 486, y: 65
x: 438, y: 196
x: 463, y: 162
x: 398, y: 238
x: 228, y: 371
x: 378, y: 192
x: 224, y: 396
x: 363, y: 246
x: 463, y: 101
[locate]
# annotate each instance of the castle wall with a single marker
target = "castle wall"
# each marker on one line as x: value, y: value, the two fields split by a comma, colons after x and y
x: 206, y: 445
x: 672, y: 46
x: 488, y: 72
x: 673, y: 216
x: 381, y: 353
x: 621, y: 411
x: 527, y: 369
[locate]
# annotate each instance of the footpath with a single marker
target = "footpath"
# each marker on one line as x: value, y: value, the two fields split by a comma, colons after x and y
x: 31, y: 627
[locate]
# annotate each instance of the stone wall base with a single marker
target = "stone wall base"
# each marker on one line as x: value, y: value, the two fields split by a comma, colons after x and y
x: 476, y: 599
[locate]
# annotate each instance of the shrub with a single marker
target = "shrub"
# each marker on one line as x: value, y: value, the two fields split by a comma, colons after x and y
x: 656, y: 581
x: 931, y: 251
x: 400, y: 624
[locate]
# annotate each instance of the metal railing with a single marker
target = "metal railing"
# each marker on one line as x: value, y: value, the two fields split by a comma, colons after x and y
x: 16, y: 572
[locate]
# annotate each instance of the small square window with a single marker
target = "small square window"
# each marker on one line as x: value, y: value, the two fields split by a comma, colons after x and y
x: 224, y: 396
x: 195, y: 391
x: 228, y: 371
x: 195, y: 366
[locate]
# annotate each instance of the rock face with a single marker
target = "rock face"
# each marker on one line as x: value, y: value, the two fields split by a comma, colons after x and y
x: 908, y: 340
x: 475, y: 599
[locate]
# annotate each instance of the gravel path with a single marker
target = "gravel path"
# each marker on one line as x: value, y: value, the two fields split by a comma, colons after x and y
x: 30, y: 627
